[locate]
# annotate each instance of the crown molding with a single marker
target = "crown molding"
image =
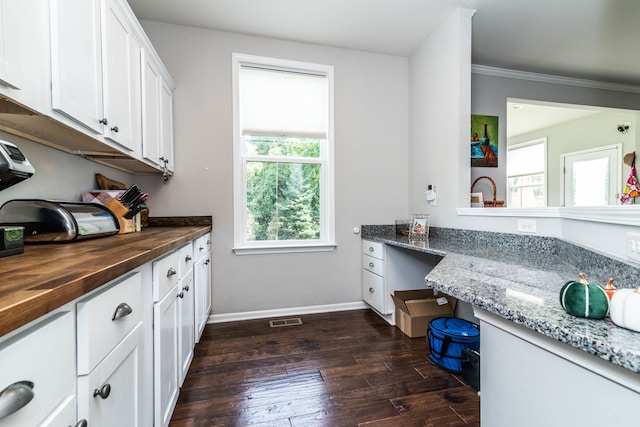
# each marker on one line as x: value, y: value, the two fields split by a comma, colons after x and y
x: 549, y: 78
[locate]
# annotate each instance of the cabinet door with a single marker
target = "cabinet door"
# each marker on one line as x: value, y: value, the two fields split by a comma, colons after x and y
x: 202, y: 285
x: 121, y: 78
x: 109, y: 395
x: 9, y: 47
x: 186, y: 332
x: 165, y: 357
x: 166, y: 118
x: 76, y: 63
x: 150, y: 109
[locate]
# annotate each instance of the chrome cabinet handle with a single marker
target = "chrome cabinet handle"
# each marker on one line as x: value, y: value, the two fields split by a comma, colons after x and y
x: 122, y: 310
x: 103, y: 391
x: 201, y: 248
x: 371, y: 264
x: 372, y: 290
x: 104, y: 121
x: 370, y: 248
x: 208, y: 242
x: 180, y: 295
x: 81, y: 423
x: 15, y: 397
x: 188, y: 258
x: 115, y: 129
x: 171, y: 272
x: 207, y: 262
x: 186, y: 288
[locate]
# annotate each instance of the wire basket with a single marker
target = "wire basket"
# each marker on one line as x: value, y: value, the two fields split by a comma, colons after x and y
x: 489, y: 203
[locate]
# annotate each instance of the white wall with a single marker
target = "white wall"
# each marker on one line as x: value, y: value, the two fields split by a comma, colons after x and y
x: 58, y: 176
x: 371, y: 151
x: 440, y: 83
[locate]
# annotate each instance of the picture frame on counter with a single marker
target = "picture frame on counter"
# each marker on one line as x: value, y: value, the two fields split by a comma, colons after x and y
x: 419, y: 229
x: 477, y: 200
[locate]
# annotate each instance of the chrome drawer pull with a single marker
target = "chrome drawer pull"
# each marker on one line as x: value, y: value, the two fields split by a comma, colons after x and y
x: 188, y: 258
x: 15, y: 397
x: 370, y: 248
x: 371, y: 264
x: 81, y: 423
x: 201, y: 248
x: 180, y: 295
x: 207, y: 262
x: 103, y: 391
x: 186, y: 288
x: 122, y: 310
x: 171, y: 272
x: 371, y: 290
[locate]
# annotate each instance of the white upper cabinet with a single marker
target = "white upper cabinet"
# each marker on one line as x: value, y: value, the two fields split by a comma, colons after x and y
x: 121, y: 79
x: 157, y: 110
x: 9, y: 50
x: 76, y: 61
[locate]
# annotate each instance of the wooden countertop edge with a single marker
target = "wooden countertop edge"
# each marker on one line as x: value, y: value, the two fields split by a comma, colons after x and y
x: 43, y: 301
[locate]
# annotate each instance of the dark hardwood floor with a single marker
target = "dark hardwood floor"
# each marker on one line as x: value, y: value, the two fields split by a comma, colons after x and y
x: 336, y: 369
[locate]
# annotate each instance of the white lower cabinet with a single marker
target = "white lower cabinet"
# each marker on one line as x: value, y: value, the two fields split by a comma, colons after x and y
x: 109, y: 395
x: 165, y: 356
x: 37, y: 373
x: 94, y: 362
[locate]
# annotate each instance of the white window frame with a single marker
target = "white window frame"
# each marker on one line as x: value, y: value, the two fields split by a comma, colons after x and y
x: 242, y: 246
x: 536, y: 141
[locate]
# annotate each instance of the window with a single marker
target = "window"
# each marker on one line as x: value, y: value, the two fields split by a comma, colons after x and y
x: 592, y: 177
x: 526, y: 174
x: 283, y: 156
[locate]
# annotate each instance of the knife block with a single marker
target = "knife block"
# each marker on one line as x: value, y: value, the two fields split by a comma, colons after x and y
x: 126, y: 225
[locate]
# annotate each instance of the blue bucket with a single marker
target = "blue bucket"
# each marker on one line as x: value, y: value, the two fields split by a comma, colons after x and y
x: 448, y: 338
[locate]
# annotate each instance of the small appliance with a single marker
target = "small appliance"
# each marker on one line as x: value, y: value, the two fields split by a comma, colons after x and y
x: 14, y: 166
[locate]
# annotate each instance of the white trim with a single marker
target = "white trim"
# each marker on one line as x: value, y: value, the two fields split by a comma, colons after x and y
x: 619, y: 214
x: 285, y: 249
x: 548, y: 78
x: 294, y: 311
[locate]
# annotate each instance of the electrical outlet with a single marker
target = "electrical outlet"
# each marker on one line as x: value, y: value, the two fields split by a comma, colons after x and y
x: 527, y: 225
x: 633, y: 246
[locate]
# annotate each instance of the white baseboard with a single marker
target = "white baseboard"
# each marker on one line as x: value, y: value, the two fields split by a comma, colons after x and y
x: 280, y: 312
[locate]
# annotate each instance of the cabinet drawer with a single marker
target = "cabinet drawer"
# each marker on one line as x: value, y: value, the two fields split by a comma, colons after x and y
x: 165, y: 275
x: 44, y: 356
x: 185, y: 260
x: 105, y: 318
x: 373, y: 290
x: 372, y: 264
x: 374, y: 249
x: 201, y: 246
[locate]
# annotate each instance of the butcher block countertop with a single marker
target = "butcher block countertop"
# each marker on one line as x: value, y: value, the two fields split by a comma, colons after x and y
x: 45, y: 277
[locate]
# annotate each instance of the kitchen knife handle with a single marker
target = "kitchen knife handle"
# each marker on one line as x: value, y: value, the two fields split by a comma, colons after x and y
x: 15, y: 397
x: 122, y: 310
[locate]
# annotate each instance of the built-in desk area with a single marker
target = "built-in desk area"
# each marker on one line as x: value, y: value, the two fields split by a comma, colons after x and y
x: 539, y: 365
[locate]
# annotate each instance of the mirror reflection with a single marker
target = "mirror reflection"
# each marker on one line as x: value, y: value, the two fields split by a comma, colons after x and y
x: 569, y: 155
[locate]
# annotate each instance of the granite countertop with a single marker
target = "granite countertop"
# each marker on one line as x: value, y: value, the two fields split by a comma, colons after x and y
x: 519, y: 278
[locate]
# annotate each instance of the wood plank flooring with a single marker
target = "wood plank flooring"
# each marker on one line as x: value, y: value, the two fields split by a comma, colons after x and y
x: 336, y: 369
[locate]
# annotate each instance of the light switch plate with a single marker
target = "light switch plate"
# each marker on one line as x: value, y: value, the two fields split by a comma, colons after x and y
x: 633, y: 245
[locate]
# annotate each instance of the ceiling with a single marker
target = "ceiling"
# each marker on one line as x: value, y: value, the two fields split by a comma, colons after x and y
x: 590, y: 39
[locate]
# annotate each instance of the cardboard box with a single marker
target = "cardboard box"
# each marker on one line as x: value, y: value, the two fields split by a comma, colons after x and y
x: 415, y: 309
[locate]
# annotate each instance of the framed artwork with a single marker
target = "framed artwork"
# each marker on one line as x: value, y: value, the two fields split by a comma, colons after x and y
x: 484, y: 141
x: 419, y: 229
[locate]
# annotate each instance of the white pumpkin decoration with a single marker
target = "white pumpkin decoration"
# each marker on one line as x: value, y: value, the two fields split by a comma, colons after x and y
x: 624, y: 308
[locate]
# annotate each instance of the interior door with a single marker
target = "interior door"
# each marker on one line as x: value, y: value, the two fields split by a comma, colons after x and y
x: 592, y: 177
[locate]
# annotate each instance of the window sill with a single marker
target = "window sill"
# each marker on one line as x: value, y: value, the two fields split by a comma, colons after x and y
x: 281, y: 249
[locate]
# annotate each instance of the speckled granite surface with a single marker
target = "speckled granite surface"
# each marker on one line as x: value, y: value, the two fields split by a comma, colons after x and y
x: 519, y: 278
